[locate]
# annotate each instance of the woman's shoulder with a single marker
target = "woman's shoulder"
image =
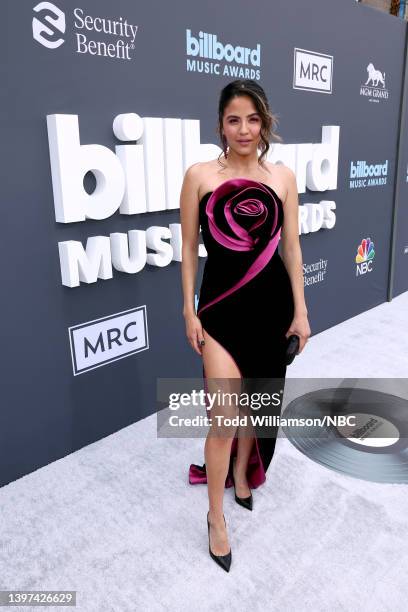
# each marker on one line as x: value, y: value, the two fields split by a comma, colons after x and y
x: 279, y: 167
x: 199, y: 170
x: 286, y: 173
x: 201, y: 174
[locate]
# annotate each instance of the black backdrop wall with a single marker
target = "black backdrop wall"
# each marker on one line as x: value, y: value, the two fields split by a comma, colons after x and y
x: 88, y: 327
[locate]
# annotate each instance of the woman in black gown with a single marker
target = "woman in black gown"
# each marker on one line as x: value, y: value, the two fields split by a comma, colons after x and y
x: 251, y: 300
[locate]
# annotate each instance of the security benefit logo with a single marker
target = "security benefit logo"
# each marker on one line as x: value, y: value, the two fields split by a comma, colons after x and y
x: 315, y: 272
x: 312, y: 71
x: 92, y: 34
x: 101, y: 341
x: 48, y: 25
x: 365, y: 257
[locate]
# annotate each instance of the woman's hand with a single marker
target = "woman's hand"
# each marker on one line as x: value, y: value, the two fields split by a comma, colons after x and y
x: 194, y: 331
x: 300, y: 326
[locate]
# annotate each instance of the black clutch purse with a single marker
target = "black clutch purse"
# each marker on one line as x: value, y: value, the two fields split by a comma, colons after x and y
x: 292, y: 348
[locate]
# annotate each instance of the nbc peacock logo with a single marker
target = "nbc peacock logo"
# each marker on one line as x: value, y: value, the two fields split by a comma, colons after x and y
x: 365, y: 256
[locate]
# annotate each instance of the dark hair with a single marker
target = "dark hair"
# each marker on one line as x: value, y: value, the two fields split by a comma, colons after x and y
x: 249, y: 87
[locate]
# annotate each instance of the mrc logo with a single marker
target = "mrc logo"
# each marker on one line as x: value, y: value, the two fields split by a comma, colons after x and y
x: 48, y: 25
x: 102, y: 341
x: 312, y: 71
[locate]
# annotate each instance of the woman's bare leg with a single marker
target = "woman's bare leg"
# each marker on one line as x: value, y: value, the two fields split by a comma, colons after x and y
x: 218, y: 365
x: 245, y: 443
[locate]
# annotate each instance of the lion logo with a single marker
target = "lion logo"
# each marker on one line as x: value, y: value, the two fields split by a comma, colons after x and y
x: 375, y: 76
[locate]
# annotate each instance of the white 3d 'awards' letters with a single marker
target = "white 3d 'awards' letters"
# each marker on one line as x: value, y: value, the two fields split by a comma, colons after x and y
x: 147, y: 177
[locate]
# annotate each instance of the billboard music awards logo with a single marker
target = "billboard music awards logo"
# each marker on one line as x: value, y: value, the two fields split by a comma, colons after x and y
x: 312, y: 71
x: 100, y: 36
x: 365, y: 257
x: 207, y: 54
x: 374, y: 88
x: 363, y: 174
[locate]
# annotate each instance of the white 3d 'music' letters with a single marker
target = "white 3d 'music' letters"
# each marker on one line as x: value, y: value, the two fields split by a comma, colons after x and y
x: 147, y: 177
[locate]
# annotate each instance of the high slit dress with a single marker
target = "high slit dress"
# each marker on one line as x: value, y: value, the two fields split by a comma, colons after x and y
x: 246, y: 301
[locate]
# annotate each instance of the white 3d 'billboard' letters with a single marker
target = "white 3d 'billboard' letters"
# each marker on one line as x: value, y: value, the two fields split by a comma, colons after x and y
x: 145, y: 174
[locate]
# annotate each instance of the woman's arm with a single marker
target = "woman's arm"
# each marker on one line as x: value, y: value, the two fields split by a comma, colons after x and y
x: 189, y: 218
x: 292, y: 258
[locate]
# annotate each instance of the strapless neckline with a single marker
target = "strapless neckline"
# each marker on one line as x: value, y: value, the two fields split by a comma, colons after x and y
x: 245, y: 179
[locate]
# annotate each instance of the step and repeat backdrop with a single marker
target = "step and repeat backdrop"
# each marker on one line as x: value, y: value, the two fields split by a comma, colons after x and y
x: 104, y: 105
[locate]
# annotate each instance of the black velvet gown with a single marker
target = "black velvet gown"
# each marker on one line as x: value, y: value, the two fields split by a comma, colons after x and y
x: 246, y: 301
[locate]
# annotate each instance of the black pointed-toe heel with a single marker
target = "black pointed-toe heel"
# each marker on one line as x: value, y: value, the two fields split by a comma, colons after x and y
x: 245, y: 502
x: 223, y: 560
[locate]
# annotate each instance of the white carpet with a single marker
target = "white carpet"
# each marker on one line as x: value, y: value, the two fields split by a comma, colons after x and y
x: 118, y: 522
